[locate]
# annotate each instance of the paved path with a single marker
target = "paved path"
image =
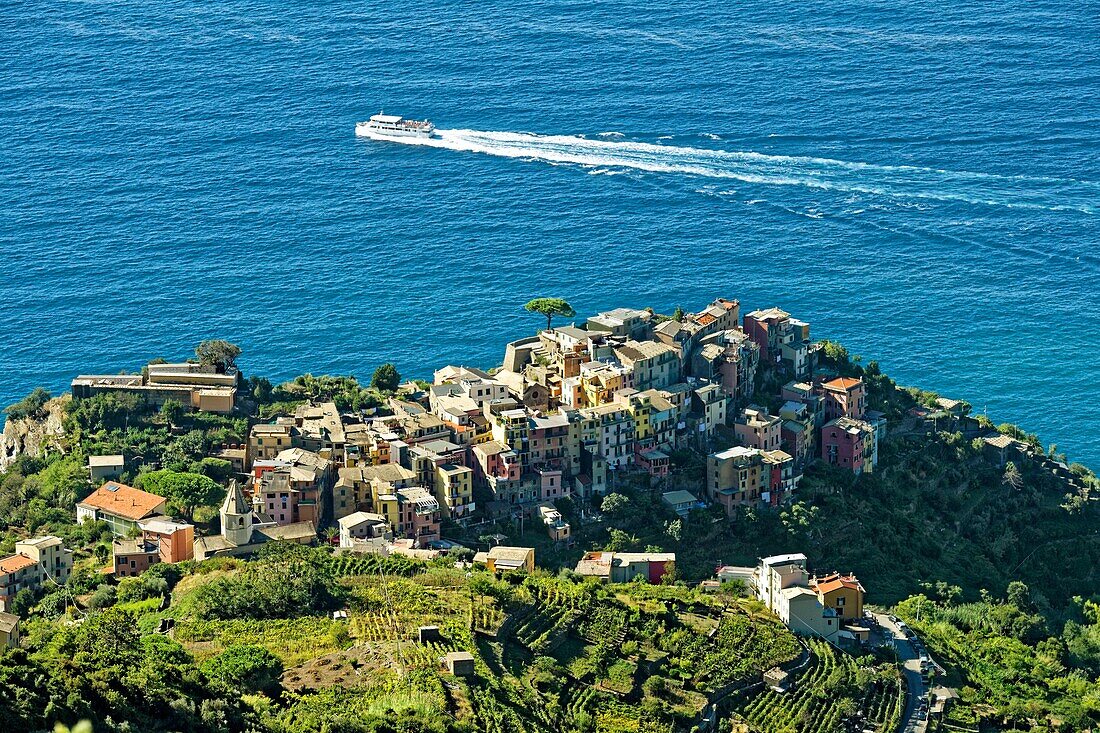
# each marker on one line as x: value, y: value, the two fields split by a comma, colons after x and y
x: 910, y: 666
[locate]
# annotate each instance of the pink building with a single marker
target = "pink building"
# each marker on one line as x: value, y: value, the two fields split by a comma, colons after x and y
x: 551, y: 485
x: 495, y: 460
x: 765, y: 327
x: 755, y: 428
x: 655, y: 461
x: 419, y: 514
x: 546, y: 438
x: 844, y: 397
x: 781, y: 476
x: 781, y: 339
x: 842, y: 444
x: 274, y: 496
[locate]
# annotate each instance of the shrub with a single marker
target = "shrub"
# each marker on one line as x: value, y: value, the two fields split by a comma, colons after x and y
x: 105, y: 596
x: 29, y: 406
x: 246, y: 668
x: 284, y: 582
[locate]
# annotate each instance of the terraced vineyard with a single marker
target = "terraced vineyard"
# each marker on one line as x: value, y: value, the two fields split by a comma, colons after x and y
x: 553, y: 654
x: 832, y: 691
x: 556, y: 608
x: 349, y: 565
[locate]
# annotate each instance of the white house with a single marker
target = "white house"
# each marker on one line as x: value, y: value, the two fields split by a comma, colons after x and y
x: 361, y: 526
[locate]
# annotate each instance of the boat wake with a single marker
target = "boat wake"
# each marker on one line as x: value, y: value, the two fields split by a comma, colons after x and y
x: 901, y: 182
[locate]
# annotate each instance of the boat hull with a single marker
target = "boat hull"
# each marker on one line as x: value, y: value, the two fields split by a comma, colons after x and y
x: 364, y: 129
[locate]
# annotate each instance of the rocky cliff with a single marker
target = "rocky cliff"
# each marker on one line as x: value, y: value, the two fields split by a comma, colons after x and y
x: 34, y: 435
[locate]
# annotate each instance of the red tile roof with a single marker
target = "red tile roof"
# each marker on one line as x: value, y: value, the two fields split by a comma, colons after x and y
x: 844, y: 383
x: 123, y: 501
x: 835, y: 582
x: 15, y: 563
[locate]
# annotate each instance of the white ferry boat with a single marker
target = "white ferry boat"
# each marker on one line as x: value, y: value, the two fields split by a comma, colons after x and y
x: 381, y: 126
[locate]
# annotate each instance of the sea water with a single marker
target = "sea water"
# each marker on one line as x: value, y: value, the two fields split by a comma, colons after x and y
x: 917, y: 180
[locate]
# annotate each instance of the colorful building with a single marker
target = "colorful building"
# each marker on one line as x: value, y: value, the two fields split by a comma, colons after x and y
x: 736, y: 476
x: 782, y: 339
x: 849, y: 444
x: 844, y: 397
x: 120, y: 506
x: 841, y: 593
x: 623, y: 567
x: 755, y: 428
x: 161, y: 540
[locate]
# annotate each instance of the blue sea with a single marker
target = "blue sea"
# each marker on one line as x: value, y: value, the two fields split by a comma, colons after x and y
x: 918, y: 180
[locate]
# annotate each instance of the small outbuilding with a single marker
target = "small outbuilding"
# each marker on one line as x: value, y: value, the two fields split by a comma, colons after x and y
x: 460, y: 664
x: 428, y: 634
x: 777, y: 679
x: 101, y: 468
x: 9, y: 630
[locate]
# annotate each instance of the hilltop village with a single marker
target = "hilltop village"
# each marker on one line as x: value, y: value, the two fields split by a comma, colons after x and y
x: 570, y: 411
x: 416, y: 475
x: 567, y: 411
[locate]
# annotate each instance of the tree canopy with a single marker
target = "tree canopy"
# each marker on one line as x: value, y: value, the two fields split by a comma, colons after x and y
x: 186, y: 491
x: 550, y: 307
x: 614, y: 503
x: 173, y: 411
x: 218, y: 353
x: 346, y: 392
x: 29, y: 406
x: 385, y: 378
x: 246, y: 667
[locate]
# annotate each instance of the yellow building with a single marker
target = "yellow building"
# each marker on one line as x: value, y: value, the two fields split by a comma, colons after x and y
x: 638, y: 405
x: 366, y: 482
x: 454, y: 488
x: 502, y: 558
x: 842, y: 593
x: 601, y: 380
x: 736, y: 476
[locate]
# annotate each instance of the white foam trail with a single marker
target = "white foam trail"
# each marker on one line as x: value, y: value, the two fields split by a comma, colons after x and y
x: 900, y: 181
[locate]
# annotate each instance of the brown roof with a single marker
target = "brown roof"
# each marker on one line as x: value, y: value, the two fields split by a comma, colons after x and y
x: 8, y: 622
x: 15, y: 563
x: 843, y: 383
x: 836, y: 581
x: 124, y: 501
x: 1000, y: 441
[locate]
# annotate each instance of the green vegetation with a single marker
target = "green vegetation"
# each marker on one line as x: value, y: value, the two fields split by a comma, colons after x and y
x: 246, y: 667
x: 385, y: 378
x: 937, y: 528
x: 835, y: 689
x: 550, y: 307
x: 551, y: 653
x: 105, y: 671
x: 1010, y: 670
x: 346, y: 392
x: 218, y: 353
x: 285, y: 581
x: 184, y: 491
x: 30, y: 406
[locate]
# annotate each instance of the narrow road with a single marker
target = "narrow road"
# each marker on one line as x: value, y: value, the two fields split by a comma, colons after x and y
x: 910, y: 667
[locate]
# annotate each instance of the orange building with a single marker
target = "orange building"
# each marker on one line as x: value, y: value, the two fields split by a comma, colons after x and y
x: 844, y: 397
x: 842, y: 593
x: 161, y: 540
